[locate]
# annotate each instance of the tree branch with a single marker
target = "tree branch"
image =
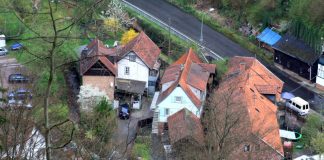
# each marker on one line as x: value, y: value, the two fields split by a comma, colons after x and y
x: 69, y: 141
x: 58, y: 124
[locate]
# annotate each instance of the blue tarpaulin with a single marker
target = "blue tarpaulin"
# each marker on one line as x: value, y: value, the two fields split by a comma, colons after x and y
x: 269, y: 37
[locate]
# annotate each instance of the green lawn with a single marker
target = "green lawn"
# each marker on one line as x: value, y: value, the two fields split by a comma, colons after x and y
x: 142, y: 147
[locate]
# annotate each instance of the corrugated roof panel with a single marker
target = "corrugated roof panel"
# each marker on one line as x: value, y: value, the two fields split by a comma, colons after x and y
x: 269, y: 37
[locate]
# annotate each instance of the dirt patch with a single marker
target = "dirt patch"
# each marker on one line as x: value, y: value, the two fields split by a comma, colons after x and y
x: 223, y: 21
x: 73, y: 83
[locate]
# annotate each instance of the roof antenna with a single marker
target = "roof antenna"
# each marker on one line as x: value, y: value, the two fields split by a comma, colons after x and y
x: 181, y: 67
x: 169, y: 39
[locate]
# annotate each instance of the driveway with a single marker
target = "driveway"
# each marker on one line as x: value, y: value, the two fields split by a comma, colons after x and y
x: 126, y: 129
x: 9, y: 66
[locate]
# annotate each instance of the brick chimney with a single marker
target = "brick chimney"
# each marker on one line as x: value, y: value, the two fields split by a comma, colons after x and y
x: 242, y: 66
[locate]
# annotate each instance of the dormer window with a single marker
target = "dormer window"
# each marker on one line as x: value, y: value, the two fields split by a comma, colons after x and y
x: 126, y: 71
x: 178, y: 99
x: 246, y: 148
x: 132, y: 58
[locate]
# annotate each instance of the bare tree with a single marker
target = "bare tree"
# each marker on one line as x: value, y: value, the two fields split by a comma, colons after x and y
x: 93, y: 138
x: 226, y: 123
x: 52, y: 33
x: 18, y: 134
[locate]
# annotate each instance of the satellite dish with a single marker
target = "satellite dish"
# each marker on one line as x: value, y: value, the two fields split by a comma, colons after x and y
x: 116, y: 43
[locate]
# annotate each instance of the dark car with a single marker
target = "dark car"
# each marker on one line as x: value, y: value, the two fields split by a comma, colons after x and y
x: 124, y: 111
x: 15, y: 78
x: 23, y: 94
x: 20, y: 97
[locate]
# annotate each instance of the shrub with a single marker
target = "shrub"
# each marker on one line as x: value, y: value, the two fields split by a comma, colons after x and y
x: 128, y: 36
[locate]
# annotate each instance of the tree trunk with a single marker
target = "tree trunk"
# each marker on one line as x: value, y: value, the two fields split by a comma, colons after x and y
x: 49, y: 85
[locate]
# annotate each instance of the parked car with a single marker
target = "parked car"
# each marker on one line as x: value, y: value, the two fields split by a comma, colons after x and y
x: 299, y: 105
x: 16, y: 46
x: 124, y: 111
x: 3, y: 51
x: 17, y: 77
x: 20, y: 97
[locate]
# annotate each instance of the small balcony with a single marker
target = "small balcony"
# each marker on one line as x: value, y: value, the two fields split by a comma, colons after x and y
x: 153, y: 75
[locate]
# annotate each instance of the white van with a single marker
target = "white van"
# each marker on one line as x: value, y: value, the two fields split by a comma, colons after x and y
x: 299, y: 105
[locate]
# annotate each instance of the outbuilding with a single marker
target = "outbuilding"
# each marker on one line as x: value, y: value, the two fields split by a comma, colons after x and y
x: 295, y: 55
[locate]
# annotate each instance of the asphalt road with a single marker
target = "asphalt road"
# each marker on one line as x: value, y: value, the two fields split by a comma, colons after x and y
x: 214, y: 40
x: 190, y: 26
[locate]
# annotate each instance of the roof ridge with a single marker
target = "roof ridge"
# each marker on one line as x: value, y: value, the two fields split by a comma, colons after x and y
x: 273, y: 75
x: 185, y: 65
x: 188, y: 74
x: 97, y: 46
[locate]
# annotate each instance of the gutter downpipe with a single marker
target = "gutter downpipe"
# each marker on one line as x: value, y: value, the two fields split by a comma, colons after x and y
x: 310, y: 73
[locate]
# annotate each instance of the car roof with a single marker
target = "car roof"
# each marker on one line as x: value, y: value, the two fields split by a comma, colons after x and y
x: 16, y: 74
x: 124, y: 105
x: 299, y: 100
x: 17, y: 44
x: 22, y: 90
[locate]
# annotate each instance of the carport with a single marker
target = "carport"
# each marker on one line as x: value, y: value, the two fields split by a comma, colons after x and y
x: 133, y: 87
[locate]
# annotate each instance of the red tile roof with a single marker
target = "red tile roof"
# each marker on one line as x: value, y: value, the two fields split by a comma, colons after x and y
x: 97, y: 51
x: 261, y: 111
x: 266, y: 89
x: 209, y: 67
x: 198, y: 76
x: 264, y: 80
x: 185, y: 124
x: 188, y: 71
x: 172, y: 73
x: 144, y: 48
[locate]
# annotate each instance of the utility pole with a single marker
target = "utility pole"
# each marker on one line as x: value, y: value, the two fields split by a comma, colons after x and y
x: 169, y: 24
x: 201, y: 30
x: 202, y: 26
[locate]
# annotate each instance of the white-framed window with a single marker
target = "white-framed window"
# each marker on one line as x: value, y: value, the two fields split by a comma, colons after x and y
x: 166, y: 111
x: 126, y: 71
x: 153, y: 72
x: 320, y: 72
x: 151, y: 83
x: 246, y: 148
x: 177, y: 99
x: 132, y: 58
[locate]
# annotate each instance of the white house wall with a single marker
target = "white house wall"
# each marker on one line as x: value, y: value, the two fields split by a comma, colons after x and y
x: 320, y: 81
x: 2, y: 40
x: 137, y: 70
x: 166, y: 85
x: 320, y: 75
x: 195, y: 91
x: 169, y: 102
